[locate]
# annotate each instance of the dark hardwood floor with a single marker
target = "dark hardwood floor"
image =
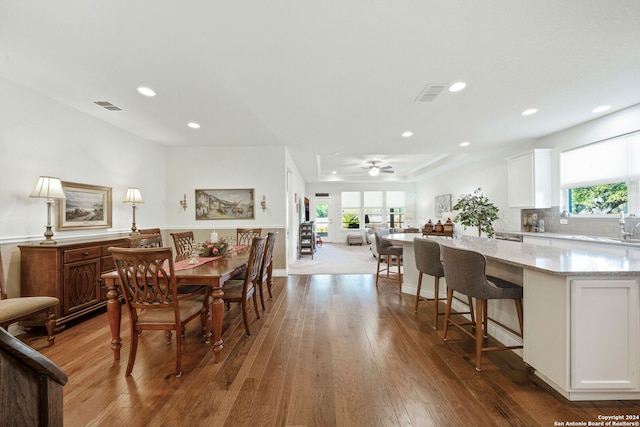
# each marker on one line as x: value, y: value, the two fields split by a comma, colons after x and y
x: 329, y: 351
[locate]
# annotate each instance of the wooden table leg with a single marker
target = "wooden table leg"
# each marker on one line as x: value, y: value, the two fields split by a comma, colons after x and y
x: 114, y: 311
x: 217, y: 307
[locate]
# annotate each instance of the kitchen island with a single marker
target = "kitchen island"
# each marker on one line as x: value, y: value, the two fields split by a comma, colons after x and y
x: 581, y: 312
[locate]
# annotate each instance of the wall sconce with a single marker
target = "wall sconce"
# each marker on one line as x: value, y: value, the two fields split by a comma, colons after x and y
x: 263, y: 204
x: 183, y: 202
x: 133, y: 196
x: 48, y: 188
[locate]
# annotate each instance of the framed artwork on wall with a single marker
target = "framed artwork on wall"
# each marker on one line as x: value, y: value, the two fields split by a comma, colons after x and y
x: 86, y: 206
x: 443, y: 204
x: 237, y: 203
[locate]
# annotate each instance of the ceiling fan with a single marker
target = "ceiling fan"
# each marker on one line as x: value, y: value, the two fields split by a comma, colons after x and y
x: 375, y: 169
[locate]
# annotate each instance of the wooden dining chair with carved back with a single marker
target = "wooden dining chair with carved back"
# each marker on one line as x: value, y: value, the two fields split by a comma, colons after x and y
x: 13, y: 310
x: 183, y: 243
x: 149, y: 231
x: 242, y: 290
x: 244, y: 236
x: 145, y: 241
x: 266, y: 270
x: 148, y: 284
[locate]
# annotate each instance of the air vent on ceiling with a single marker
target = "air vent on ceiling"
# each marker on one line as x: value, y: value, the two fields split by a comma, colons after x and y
x: 430, y: 93
x: 107, y: 105
x: 322, y: 194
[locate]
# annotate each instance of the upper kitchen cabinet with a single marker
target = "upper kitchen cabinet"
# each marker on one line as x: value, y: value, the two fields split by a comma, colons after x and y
x: 530, y: 179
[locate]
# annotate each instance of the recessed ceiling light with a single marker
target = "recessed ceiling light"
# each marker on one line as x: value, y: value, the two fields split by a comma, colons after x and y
x: 407, y: 134
x: 601, y: 108
x: 457, y: 87
x: 465, y: 144
x: 146, y: 91
x: 529, y: 112
x: 334, y: 172
x: 193, y: 125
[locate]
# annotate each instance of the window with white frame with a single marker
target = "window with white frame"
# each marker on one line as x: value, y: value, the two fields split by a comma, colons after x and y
x: 602, y: 178
x: 351, y: 206
x: 395, y: 209
x: 373, y: 207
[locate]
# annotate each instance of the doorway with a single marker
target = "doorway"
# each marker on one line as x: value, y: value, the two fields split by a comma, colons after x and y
x: 322, y: 214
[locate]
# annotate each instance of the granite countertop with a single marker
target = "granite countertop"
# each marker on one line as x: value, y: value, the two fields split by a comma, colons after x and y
x: 589, y: 239
x: 550, y: 260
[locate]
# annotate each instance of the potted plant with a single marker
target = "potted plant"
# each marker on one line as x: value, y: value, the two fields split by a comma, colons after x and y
x: 475, y: 210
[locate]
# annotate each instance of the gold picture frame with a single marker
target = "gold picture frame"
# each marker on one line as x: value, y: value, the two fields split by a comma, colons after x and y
x: 86, y: 206
x: 221, y: 204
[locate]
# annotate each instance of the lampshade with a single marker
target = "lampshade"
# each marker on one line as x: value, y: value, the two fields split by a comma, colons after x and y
x: 374, y: 171
x: 133, y: 196
x: 49, y: 188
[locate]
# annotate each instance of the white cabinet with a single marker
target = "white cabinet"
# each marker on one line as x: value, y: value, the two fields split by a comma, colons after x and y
x: 530, y: 179
x: 604, y: 334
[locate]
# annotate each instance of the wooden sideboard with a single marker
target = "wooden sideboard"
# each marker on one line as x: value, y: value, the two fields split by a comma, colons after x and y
x: 69, y: 271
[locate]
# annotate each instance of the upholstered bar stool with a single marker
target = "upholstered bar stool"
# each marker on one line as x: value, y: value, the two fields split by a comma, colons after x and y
x: 465, y: 272
x: 386, y: 248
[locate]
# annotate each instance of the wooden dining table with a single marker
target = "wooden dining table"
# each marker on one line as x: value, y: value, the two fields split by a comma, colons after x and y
x: 213, y: 273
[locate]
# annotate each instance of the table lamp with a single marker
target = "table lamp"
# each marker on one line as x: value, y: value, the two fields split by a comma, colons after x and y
x: 48, y: 188
x: 133, y: 196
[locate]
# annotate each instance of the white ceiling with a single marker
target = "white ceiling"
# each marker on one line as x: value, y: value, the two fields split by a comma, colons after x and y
x: 327, y: 77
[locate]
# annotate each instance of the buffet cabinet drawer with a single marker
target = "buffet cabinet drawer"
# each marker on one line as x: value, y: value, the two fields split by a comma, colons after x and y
x: 75, y: 255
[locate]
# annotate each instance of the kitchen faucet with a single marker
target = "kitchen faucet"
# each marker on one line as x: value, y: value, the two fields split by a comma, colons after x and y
x: 624, y: 233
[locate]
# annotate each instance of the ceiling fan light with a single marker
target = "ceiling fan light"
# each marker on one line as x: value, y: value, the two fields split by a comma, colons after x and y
x: 374, y: 171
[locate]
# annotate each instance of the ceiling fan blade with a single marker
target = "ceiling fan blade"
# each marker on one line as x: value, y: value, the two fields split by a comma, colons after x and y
x: 387, y: 171
x: 386, y: 167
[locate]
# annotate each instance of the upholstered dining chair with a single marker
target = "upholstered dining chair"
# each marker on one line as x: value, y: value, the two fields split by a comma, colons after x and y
x: 13, y: 310
x: 183, y: 243
x: 240, y: 291
x: 148, y: 284
x: 244, y: 236
x: 465, y: 272
x: 386, y: 248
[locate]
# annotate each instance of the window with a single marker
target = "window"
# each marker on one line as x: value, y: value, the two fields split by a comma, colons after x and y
x: 373, y: 207
x: 395, y: 209
x: 601, y: 178
x: 350, y: 209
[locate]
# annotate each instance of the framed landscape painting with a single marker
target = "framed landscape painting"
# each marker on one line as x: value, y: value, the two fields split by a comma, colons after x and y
x: 86, y: 206
x: 238, y: 203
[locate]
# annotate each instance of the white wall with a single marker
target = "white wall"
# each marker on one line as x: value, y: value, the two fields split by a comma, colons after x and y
x: 39, y: 136
x: 259, y: 168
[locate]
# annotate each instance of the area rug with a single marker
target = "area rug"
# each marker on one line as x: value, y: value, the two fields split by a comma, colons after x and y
x: 336, y: 258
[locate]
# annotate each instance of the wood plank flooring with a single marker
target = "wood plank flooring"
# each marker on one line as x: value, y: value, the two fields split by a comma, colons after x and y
x: 330, y: 350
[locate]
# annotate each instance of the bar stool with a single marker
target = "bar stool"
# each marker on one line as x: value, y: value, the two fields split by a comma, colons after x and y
x: 384, y: 247
x: 465, y: 272
x: 427, y: 254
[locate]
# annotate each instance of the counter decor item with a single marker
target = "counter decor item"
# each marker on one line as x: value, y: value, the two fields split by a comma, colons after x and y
x: 439, y: 229
x: 475, y: 210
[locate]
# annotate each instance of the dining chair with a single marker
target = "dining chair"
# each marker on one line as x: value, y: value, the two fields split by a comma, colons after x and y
x: 386, y: 248
x: 240, y: 291
x: 13, y: 310
x: 266, y: 270
x: 145, y: 241
x: 244, y: 236
x: 149, y: 231
x: 183, y: 243
x: 148, y: 284
x: 465, y: 272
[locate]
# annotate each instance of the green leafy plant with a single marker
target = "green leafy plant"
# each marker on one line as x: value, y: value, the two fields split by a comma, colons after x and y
x: 475, y: 210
